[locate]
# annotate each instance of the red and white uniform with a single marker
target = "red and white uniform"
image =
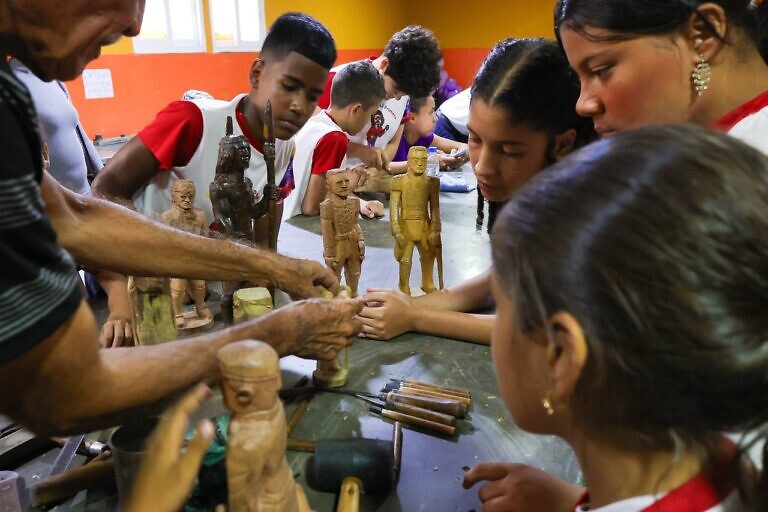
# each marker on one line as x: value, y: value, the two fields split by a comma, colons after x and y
x: 184, y: 137
x: 706, y: 492
x: 383, y: 124
x: 748, y: 122
x: 321, y: 145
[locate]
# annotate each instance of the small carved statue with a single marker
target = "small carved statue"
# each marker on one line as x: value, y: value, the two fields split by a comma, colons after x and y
x: 183, y: 215
x: 232, y: 196
x: 151, y: 309
x: 343, y: 242
x: 234, y: 203
x: 414, y: 209
x: 333, y: 374
x: 258, y: 476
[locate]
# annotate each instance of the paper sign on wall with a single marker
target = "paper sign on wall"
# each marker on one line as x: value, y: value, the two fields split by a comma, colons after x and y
x: 98, y: 84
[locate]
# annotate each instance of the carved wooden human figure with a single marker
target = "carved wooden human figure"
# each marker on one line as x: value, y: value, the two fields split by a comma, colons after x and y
x: 258, y: 476
x: 151, y: 310
x: 343, y: 242
x: 232, y: 196
x: 183, y: 215
x: 414, y: 209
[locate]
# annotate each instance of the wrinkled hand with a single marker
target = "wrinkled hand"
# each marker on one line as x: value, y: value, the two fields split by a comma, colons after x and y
x: 371, y: 209
x: 116, y: 332
x: 521, y: 488
x: 166, y: 475
x: 386, y: 314
x: 307, y: 279
x: 312, y: 329
x: 375, y: 157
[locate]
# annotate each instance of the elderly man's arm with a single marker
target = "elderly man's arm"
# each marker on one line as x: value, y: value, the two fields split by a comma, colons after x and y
x: 106, y: 235
x: 66, y: 384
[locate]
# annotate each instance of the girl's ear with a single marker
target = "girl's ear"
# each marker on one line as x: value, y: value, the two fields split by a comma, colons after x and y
x: 706, y: 38
x: 563, y: 144
x: 383, y: 65
x: 566, y: 354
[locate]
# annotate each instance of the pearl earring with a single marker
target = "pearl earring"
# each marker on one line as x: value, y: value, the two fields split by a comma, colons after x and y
x: 546, y: 402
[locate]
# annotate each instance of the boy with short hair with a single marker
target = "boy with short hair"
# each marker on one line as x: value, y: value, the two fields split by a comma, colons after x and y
x: 410, y: 65
x: 182, y: 142
x: 358, y: 89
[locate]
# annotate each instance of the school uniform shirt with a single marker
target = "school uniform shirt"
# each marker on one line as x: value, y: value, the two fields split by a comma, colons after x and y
x: 321, y: 145
x: 748, y: 122
x: 401, y: 155
x: 709, y: 491
x: 456, y: 110
x: 39, y: 290
x: 383, y: 124
x: 184, y: 137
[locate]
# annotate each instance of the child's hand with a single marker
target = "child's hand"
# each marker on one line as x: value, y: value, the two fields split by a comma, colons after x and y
x: 521, y: 488
x: 166, y: 475
x: 448, y: 161
x: 116, y: 332
x: 371, y: 209
x: 386, y: 314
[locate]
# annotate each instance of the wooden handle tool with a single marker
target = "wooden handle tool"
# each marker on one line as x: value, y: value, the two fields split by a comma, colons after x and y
x: 414, y: 421
x: 444, y: 405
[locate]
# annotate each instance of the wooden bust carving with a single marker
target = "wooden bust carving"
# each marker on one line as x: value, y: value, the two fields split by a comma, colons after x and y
x: 414, y: 209
x: 183, y: 215
x: 258, y: 476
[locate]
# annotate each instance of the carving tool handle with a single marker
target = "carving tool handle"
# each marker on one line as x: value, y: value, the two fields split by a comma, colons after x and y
x: 349, y: 495
x: 435, y: 394
x: 420, y: 412
x: 427, y: 385
x: 414, y: 421
x: 444, y: 405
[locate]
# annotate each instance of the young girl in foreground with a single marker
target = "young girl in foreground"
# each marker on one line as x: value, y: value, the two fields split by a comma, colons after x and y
x: 522, y: 118
x: 631, y: 281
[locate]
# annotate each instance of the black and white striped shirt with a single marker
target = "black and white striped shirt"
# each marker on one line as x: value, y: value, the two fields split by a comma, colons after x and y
x: 38, y: 282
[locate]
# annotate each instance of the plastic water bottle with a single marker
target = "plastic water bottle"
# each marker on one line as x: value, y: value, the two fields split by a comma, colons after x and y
x: 433, y: 163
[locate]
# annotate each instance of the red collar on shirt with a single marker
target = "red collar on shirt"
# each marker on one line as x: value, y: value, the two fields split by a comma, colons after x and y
x: 241, y: 121
x: 732, y: 118
x: 700, y: 493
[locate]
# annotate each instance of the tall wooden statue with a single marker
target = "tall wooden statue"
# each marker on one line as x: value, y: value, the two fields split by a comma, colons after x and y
x: 258, y: 476
x: 414, y: 210
x: 183, y: 215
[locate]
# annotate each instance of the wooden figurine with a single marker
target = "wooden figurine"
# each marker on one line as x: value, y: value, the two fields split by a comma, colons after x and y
x: 232, y: 196
x: 151, y: 310
x: 333, y: 374
x: 343, y: 242
x: 183, y: 215
x: 250, y: 303
x: 258, y: 476
x: 414, y: 209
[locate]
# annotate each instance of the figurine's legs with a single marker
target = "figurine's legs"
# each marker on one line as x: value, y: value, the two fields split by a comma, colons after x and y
x: 405, y: 268
x: 178, y: 288
x: 352, y: 266
x: 427, y: 256
x: 240, y: 490
x: 277, y: 491
x: 197, y: 288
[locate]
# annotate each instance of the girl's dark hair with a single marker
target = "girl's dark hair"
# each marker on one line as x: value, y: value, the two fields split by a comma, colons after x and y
x: 634, y: 18
x: 531, y: 80
x: 657, y: 242
x: 415, y: 104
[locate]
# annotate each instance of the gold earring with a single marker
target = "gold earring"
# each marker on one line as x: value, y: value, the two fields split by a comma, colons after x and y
x: 701, y: 75
x: 547, y: 403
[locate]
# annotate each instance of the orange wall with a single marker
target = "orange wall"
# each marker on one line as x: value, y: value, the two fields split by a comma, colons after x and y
x: 467, y: 35
x: 144, y: 84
